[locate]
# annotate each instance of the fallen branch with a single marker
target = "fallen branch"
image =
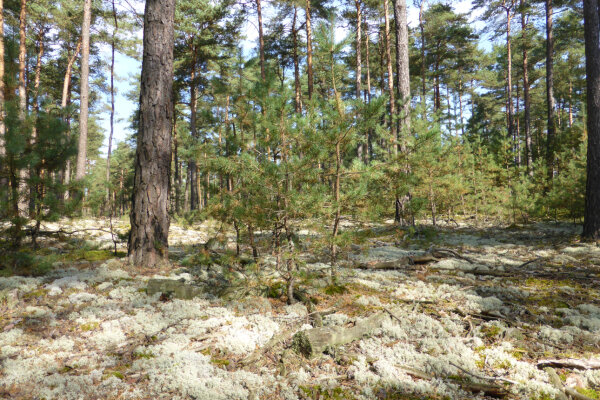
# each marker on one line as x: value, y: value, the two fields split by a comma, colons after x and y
x: 430, y: 256
x: 569, y: 363
x: 473, y: 387
x: 315, y: 341
x: 440, y: 254
x: 530, y: 262
x: 487, y: 378
x: 564, y: 391
x: 277, y: 339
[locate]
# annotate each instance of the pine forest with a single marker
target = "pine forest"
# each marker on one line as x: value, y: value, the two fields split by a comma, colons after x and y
x: 300, y: 199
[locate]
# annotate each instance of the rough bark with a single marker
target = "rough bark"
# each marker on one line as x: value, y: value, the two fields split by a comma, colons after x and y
x: 403, y: 97
x: 148, y: 241
x: 402, y: 70
x: 591, y: 224
x: 84, y: 96
x: 551, y: 102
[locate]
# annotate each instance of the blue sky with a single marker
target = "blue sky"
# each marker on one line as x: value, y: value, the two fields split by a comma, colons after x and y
x: 126, y: 68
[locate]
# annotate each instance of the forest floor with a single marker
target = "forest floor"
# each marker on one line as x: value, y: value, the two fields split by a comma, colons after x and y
x: 474, y: 324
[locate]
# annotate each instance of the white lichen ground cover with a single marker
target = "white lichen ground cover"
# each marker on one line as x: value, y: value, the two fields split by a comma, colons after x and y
x: 89, y: 330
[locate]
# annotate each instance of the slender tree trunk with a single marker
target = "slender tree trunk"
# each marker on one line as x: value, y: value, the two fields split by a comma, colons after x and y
x: 22, y: 57
x: 84, y: 97
x: 423, y: 78
x: 112, y: 100
x: 591, y: 224
x: 368, y: 61
x: 509, y: 84
x: 148, y: 242
x: 358, y: 77
x: 37, y: 80
x: 2, y: 111
x: 69, y: 74
x: 550, y: 90
x: 23, y: 202
x: 261, y: 41
x: 309, y: 61
x: 358, y: 48
x: 177, y: 164
x: 369, y: 147
x: 64, y: 102
x: 460, y: 103
x: 517, y: 128
x: 297, y: 86
x: 194, y: 197
x: 526, y: 96
x: 36, y: 191
x: 390, y: 72
x: 570, y: 102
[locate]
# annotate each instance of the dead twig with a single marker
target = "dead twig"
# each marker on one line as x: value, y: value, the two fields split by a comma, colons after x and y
x: 486, y: 378
x: 569, y: 363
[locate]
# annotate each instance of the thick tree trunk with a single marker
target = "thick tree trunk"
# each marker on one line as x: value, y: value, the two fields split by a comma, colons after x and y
x: 23, y: 202
x: 402, y: 71
x: 309, y: 62
x: 148, y: 242
x: 112, y: 101
x: 403, y: 97
x: 526, y: 96
x: 591, y: 224
x: 261, y: 41
x: 390, y: 72
x: 550, y: 90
